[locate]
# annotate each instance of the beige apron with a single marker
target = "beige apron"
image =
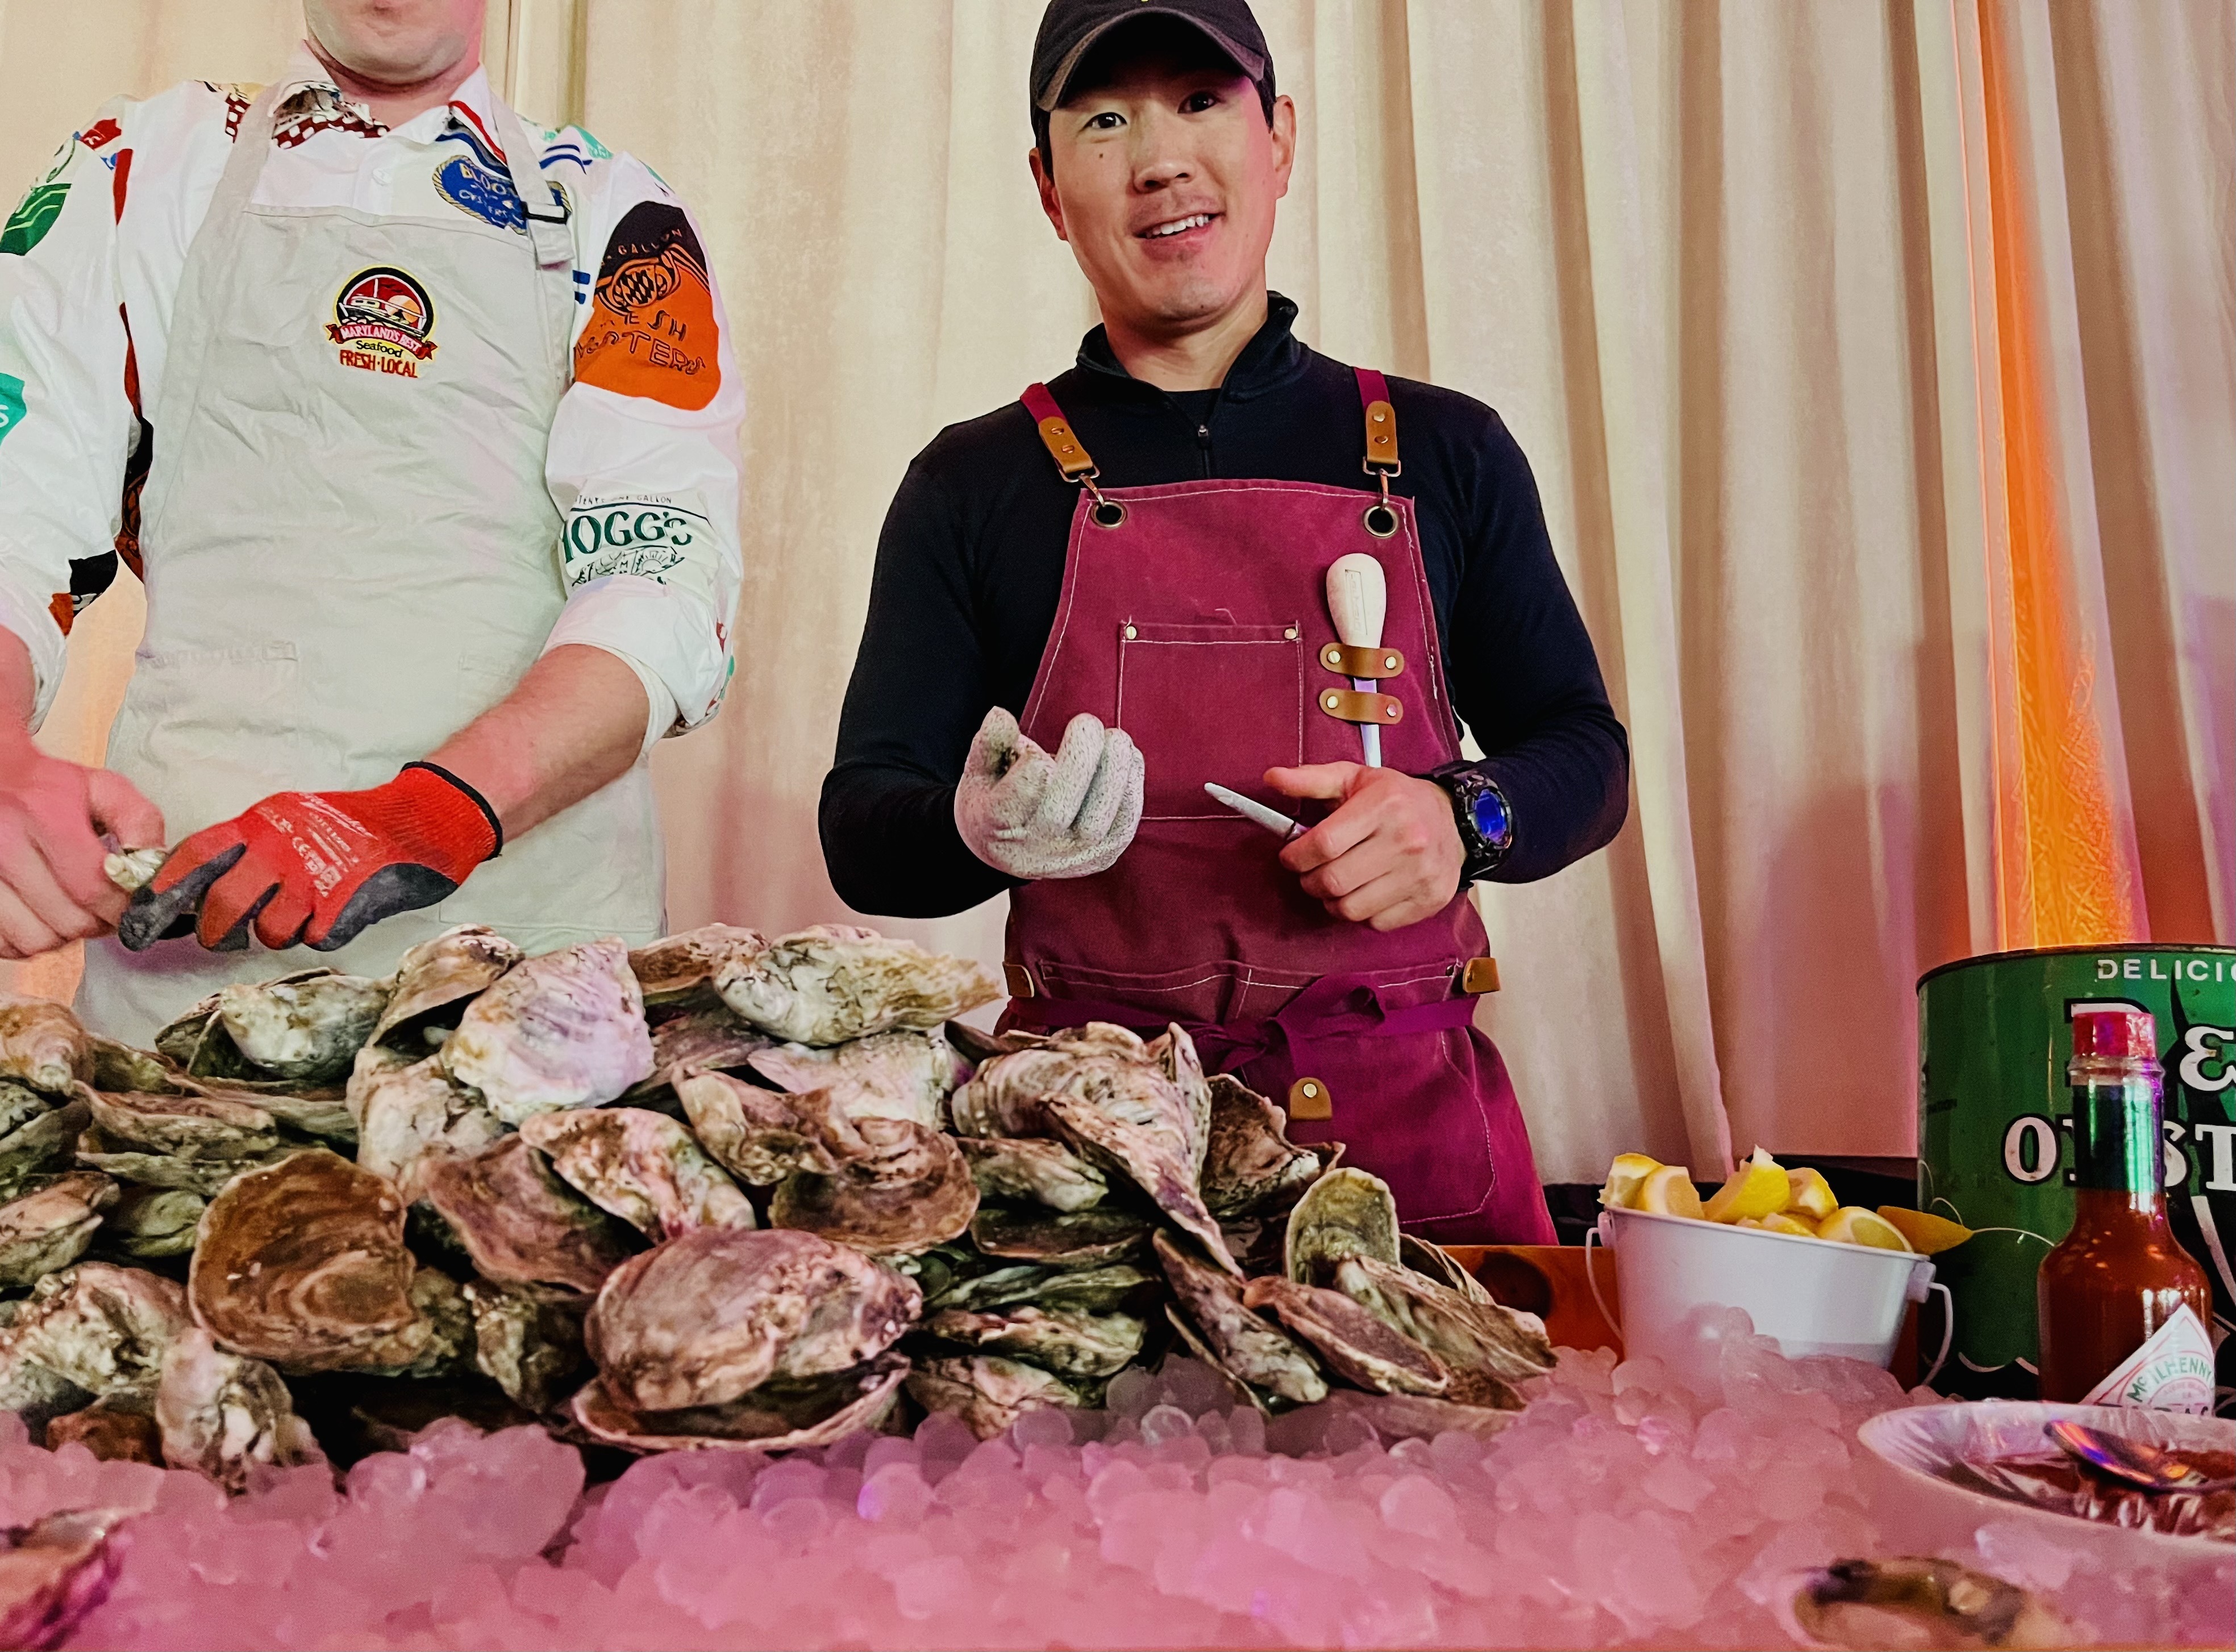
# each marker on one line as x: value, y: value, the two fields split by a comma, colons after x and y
x: 351, y: 553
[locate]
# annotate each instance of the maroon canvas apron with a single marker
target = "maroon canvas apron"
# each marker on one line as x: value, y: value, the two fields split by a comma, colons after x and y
x: 1194, y: 616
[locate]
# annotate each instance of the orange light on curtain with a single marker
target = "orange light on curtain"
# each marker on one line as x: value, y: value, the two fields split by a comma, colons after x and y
x: 2061, y: 877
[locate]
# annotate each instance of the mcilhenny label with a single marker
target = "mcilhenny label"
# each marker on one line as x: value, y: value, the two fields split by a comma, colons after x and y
x: 2171, y: 1371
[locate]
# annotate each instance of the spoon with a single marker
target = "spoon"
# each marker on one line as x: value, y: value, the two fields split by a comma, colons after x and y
x: 2134, y: 1461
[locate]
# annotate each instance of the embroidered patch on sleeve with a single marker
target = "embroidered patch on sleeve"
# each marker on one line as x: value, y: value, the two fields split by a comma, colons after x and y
x: 41, y: 204
x: 651, y: 331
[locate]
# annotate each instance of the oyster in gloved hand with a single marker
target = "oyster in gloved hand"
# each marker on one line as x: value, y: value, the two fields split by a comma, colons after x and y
x: 1028, y: 1167
x: 307, y: 1027
x: 521, y: 1224
x: 644, y: 1167
x: 781, y: 1415
x: 905, y: 1074
x: 435, y: 975
x: 42, y: 1045
x: 707, y: 1317
x: 221, y: 1414
x: 907, y: 1189
x: 831, y: 983
x: 51, y: 1228
x: 411, y: 1119
x: 989, y: 1392
x: 565, y: 1029
x: 303, y: 1264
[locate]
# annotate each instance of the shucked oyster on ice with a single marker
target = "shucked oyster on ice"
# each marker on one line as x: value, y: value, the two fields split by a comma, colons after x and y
x: 831, y: 983
x: 303, y: 1264
x: 411, y: 1119
x: 907, y: 1075
x: 704, y: 1318
x: 434, y: 975
x: 781, y: 1415
x: 681, y: 968
x: 307, y: 1027
x: 565, y: 1029
x: 644, y: 1167
x: 521, y: 1224
x: 908, y: 1188
x: 49, y: 1229
x: 221, y: 1414
x: 42, y: 1044
x: 1915, y: 1601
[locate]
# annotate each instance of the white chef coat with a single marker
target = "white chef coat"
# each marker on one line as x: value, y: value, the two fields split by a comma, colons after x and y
x: 90, y: 264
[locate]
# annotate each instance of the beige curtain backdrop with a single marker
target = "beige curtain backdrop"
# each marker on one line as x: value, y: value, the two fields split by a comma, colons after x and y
x: 1720, y: 264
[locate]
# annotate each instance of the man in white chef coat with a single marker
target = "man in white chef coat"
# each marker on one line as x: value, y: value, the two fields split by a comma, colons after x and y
x: 420, y: 426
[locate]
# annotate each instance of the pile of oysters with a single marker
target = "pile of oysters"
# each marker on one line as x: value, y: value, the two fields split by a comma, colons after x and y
x: 722, y: 1192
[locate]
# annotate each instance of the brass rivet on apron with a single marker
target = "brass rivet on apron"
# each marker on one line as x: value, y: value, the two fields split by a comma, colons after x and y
x: 1381, y: 521
x: 1389, y: 662
x: 1330, y: 702
x: 1131, y: 634
x: 1332, y: 658
x: 1308, y: 1099
x: 1291, y: 634
x: 1391, y: 712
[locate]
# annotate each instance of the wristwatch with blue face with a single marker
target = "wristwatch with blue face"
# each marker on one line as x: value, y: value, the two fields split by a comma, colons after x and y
x: 1479, y: 809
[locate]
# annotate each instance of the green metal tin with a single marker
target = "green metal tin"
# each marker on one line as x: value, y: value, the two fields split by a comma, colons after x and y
x: 1995, y: 1145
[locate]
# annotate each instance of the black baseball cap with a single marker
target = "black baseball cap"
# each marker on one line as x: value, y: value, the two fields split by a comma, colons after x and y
x: 1069, y: 29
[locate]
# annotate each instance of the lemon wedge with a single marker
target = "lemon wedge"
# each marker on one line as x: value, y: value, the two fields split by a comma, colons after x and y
x: 1779, y: 1222
x: 1758, y: 1190
x: 1853, y: 1225
x: 1625, y: 1177
x: 1809, y: 1195
x: 1669, y: 1191
x: 1929, y: 1236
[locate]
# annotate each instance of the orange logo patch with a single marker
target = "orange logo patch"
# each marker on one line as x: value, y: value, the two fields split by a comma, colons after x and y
x: 651, y: 331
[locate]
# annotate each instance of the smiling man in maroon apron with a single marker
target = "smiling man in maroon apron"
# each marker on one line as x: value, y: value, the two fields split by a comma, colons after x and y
x: 1091, y: 603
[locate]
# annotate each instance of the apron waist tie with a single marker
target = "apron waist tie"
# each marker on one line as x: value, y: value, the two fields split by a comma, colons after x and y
x: 1333, y: 1007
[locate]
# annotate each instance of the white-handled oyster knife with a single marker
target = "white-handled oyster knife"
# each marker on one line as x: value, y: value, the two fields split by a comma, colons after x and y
x: 1254, y: 812
x: 1357, y: 600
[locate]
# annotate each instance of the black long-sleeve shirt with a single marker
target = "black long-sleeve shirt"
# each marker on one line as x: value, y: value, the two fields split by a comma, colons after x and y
x: 970, y: 566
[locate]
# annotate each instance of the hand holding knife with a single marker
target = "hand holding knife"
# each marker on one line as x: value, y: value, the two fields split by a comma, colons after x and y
x: 1256, y: 812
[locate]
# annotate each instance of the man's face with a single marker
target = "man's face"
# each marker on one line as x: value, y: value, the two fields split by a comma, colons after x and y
x: 1166, y: 173
x: 396, y: 43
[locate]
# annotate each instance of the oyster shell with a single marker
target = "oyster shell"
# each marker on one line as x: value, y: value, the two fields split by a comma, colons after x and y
x: 644, y: 1167
x: 565, y: 1029
x: 708, y: 1316
x: 1076, y: 1238
x: 411, y: 1119
x: 51, y: 1228
x: 102, y: 1329
x: 528, y: 1338
x: 1005, y: 1096
x: 906, y: 1075
x: 1345, y: 1213
x: 42, y: 1044
x: 780, y: 1415
x: 221, y: 1414
x: 20, y: 1104
x: 204, y: 1176
x: 120, y: 1067
x: 307, y: 1027
x: 989, y: 1392
x: 131, y: 869
x: 59, y: 1569
x: 1354, y: 1343
x: 183, y: 1126
x: 118, y: 1429
x: 681, y: 967
x: 45, y: 1143
x: 1238, y: 1341
x: 150, y: 1222
x: 909, y: 1189
x: 438, y: 1341
x: 1071, y: 1342
x: 303, y: 1264
x: 1148, y: 1152
x: 1440, y: 1265
x: 1916, y: 1602
x: 1025, y: 1166
x: 434, y: 975
x: 523, y: 1224
x: 761, y: 1134
x: 1486, y: 1349
x: 1249, y: 1161
x: 35, y: 1394
x: 1100, y: 1289
x: 831, y: 983
x: 696, y: 1041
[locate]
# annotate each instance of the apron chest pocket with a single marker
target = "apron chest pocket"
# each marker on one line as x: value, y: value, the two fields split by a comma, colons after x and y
x: 1211, y: 702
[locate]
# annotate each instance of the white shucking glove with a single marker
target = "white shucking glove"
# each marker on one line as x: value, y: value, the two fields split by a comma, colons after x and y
x: 1034, y: 815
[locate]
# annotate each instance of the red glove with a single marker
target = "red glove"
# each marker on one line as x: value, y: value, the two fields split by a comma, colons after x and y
x: 318, y: 868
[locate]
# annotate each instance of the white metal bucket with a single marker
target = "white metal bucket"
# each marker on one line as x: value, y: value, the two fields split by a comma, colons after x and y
x: 1814, y: 1295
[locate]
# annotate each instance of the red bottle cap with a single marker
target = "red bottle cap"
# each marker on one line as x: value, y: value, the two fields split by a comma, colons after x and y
x: 2113, y: 1029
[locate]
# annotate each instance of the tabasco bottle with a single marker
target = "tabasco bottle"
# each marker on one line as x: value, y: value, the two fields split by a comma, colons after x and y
x: 2123, y: 1308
